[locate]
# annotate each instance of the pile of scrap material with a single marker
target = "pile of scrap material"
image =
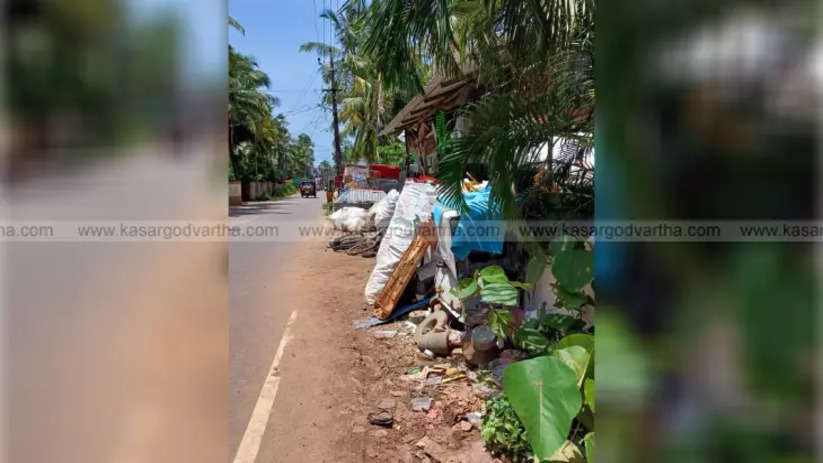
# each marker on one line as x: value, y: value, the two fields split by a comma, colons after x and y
x: 470, y: 184
x: 358, y: 197
x: 363, y: 229
x: 405, y: 269
x: 430, y: 246
x: 365, y: 245
x: 413, y: 209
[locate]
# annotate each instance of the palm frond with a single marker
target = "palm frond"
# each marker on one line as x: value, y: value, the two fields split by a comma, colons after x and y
x: 507, y: 132
x: 236, y: 25
x: 407, y: 31
x: 322, y: 48
x: 331, y: 16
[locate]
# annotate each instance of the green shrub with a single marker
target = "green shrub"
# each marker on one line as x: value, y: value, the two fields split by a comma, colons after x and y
x: 286, y: 189
x: 503, y: 432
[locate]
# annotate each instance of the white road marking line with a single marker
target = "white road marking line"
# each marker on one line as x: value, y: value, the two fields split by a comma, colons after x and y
x: 250, y: 444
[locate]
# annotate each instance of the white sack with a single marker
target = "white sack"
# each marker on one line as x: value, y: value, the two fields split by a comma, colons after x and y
x: 445, y: 276
x: 383, y: 210
x: 414, y: 207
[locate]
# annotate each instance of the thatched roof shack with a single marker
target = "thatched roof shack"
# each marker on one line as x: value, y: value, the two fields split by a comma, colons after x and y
x: 416, y: 119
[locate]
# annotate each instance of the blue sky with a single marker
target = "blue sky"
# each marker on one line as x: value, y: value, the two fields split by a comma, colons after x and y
x: 275, y: 29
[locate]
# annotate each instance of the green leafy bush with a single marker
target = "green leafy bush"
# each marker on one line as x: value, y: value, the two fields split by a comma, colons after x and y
x: 286, y: 189
x: 503, y: 432
x: 561, y: 379
x: 538, y: 336
x: 498, y: 291
x: 549, y: 399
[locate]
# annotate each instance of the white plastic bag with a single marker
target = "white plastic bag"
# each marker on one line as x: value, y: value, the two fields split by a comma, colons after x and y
x: 351, y: 219
x: 414, y: 207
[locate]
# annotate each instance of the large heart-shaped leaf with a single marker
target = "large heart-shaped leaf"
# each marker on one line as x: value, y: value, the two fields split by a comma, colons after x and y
x: 583, y: 340
x: 545, y: 396
x: 577, y: 358
x: 570, y: 300
x: 573, y: 269
x: 499, y: 293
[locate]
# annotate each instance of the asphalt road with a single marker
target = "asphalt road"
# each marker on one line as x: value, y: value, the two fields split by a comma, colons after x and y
x: 257, y: 274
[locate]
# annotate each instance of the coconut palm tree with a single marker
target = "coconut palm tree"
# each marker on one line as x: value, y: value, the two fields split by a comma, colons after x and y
x: 366, y: 102
x: 255, y: 135
x: 250, y: 108
x: 533, y: 58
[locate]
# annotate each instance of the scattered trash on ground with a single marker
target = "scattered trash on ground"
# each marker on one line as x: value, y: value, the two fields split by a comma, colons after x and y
x: 383, y: 334
x: 421, y: 404
x: 374, y: 321
x: 439, y: 383
x: 357, y: 244
x: 434, y: 380
x: 454, y: 378
x: 382, y: 418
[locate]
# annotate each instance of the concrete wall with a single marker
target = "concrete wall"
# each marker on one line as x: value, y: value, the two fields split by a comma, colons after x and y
x: 235, y: 192
x: 256, y: 191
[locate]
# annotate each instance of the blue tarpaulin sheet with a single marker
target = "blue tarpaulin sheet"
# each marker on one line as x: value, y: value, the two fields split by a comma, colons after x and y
x: 478, y: 230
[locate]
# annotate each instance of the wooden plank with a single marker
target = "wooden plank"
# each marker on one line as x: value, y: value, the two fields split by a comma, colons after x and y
x: 403, y: 272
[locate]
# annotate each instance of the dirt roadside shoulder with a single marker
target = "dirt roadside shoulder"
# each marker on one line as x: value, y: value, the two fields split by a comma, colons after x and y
x: 314, y: 408
x: 334, y: 377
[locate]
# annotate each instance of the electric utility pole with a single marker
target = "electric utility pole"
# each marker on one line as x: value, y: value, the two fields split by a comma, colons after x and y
x: 338, y: 155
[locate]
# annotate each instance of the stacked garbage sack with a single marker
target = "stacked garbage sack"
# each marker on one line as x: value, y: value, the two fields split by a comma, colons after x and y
x: 413, y: 208
x: 363, y: 229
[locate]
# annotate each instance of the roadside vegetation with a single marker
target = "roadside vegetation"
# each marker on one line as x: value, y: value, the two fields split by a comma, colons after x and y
x: 280, y: 191
x: 260, y: 145
x: 367, y: 101
x: 558, y: 375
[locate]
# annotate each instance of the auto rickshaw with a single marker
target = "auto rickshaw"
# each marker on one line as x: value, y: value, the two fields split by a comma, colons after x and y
x: 308, y: 188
